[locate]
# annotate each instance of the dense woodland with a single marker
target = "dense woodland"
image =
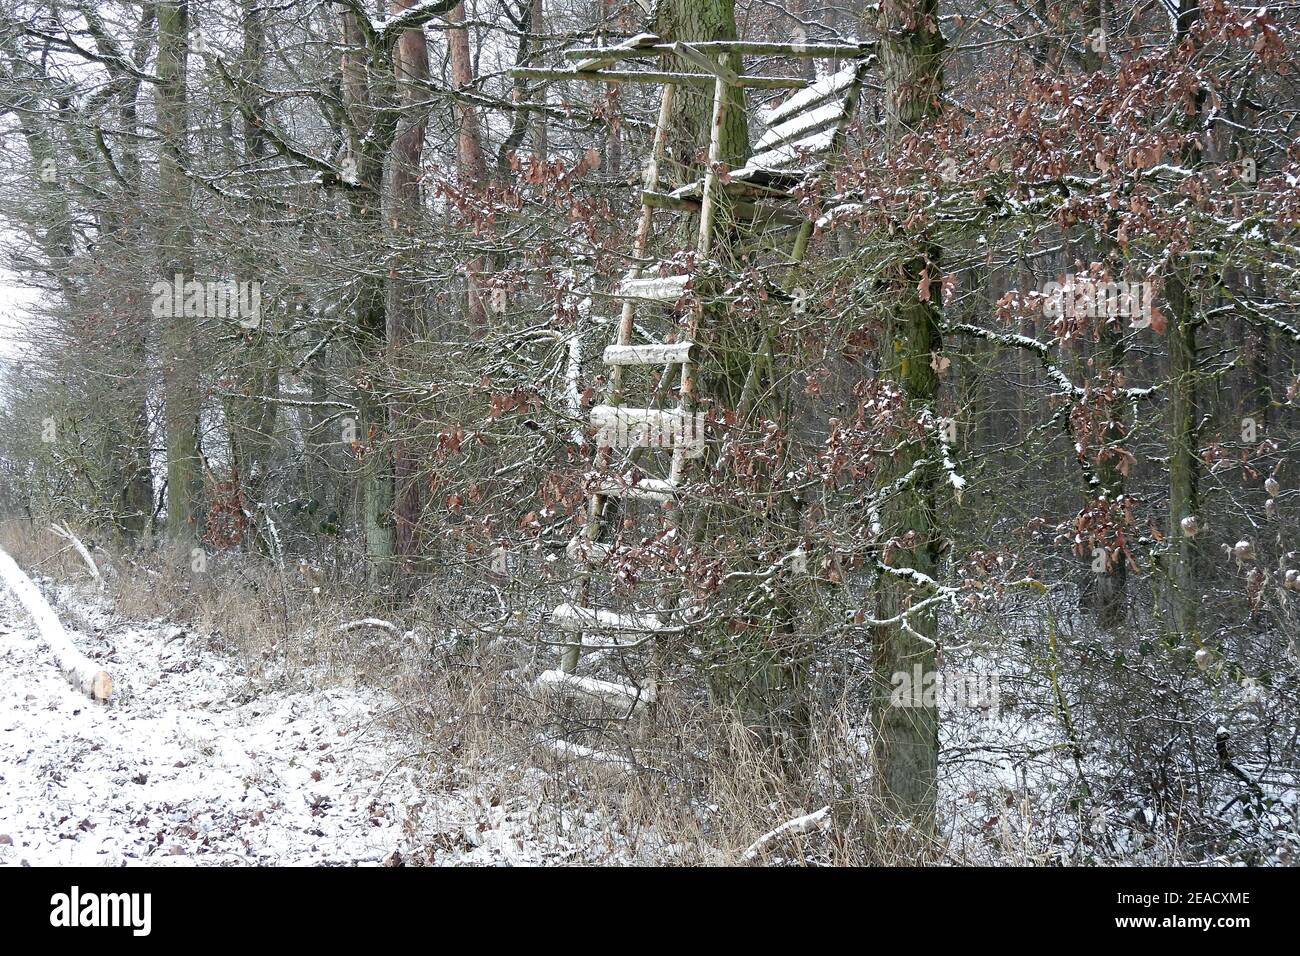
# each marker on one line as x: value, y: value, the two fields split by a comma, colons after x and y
x: 323, y: 294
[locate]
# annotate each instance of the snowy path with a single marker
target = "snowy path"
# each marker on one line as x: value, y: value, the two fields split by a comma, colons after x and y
x: 187, y: 764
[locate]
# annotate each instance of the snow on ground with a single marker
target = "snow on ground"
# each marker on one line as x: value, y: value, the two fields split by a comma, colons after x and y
x: 185, y: 765
x: 192, y: 763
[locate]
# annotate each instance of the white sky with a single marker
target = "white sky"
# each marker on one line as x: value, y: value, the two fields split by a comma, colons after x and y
x: 14, y: 303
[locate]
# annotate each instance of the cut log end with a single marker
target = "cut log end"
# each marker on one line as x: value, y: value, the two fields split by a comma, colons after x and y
x: 101, y: 686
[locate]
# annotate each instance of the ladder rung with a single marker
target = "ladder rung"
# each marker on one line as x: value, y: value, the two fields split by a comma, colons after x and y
x: 606, y: 691
x: 570, y: 617
x: 657, y: 288
x: 621, y: 416
x: 647, y: 489
x: 667, y: 354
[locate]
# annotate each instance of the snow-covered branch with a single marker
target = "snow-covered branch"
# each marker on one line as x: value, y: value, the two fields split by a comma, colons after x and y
x: 818, y: 820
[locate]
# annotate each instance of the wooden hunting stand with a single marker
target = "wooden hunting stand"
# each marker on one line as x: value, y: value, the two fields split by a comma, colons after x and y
x: 796, y: 138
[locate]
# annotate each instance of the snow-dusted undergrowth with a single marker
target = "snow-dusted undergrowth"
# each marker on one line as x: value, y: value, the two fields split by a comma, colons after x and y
x: 185, y: 764
x: 192, y: 762
x: 202, y: 757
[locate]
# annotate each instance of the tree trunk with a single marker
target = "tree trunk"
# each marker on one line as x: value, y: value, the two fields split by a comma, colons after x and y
x: 253, y: 418
x: 613, y: 118
x: 537, y: 27
x: 1182, y: 597
x: 181, y: 395
x: 411, y: 68
x: 1182, y: 603
x: 367, y: 148
x: 906, y: 744
x: 702, y: 21
x: 470, y: 161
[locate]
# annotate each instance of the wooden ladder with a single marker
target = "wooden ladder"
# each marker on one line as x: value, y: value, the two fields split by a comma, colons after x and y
x: 793, y: 127
x: 676, y: 431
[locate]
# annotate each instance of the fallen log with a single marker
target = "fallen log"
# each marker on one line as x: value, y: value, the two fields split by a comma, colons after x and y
x: 85, y: 674
x: 374, y: 622
x: 819, y: 820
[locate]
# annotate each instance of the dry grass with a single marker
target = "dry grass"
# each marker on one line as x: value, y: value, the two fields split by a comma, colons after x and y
x: 237, y: 603
x: 708, y: 789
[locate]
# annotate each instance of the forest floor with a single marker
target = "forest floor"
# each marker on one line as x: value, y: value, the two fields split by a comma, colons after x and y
x: 194, y: 762
x: 207, y: 754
